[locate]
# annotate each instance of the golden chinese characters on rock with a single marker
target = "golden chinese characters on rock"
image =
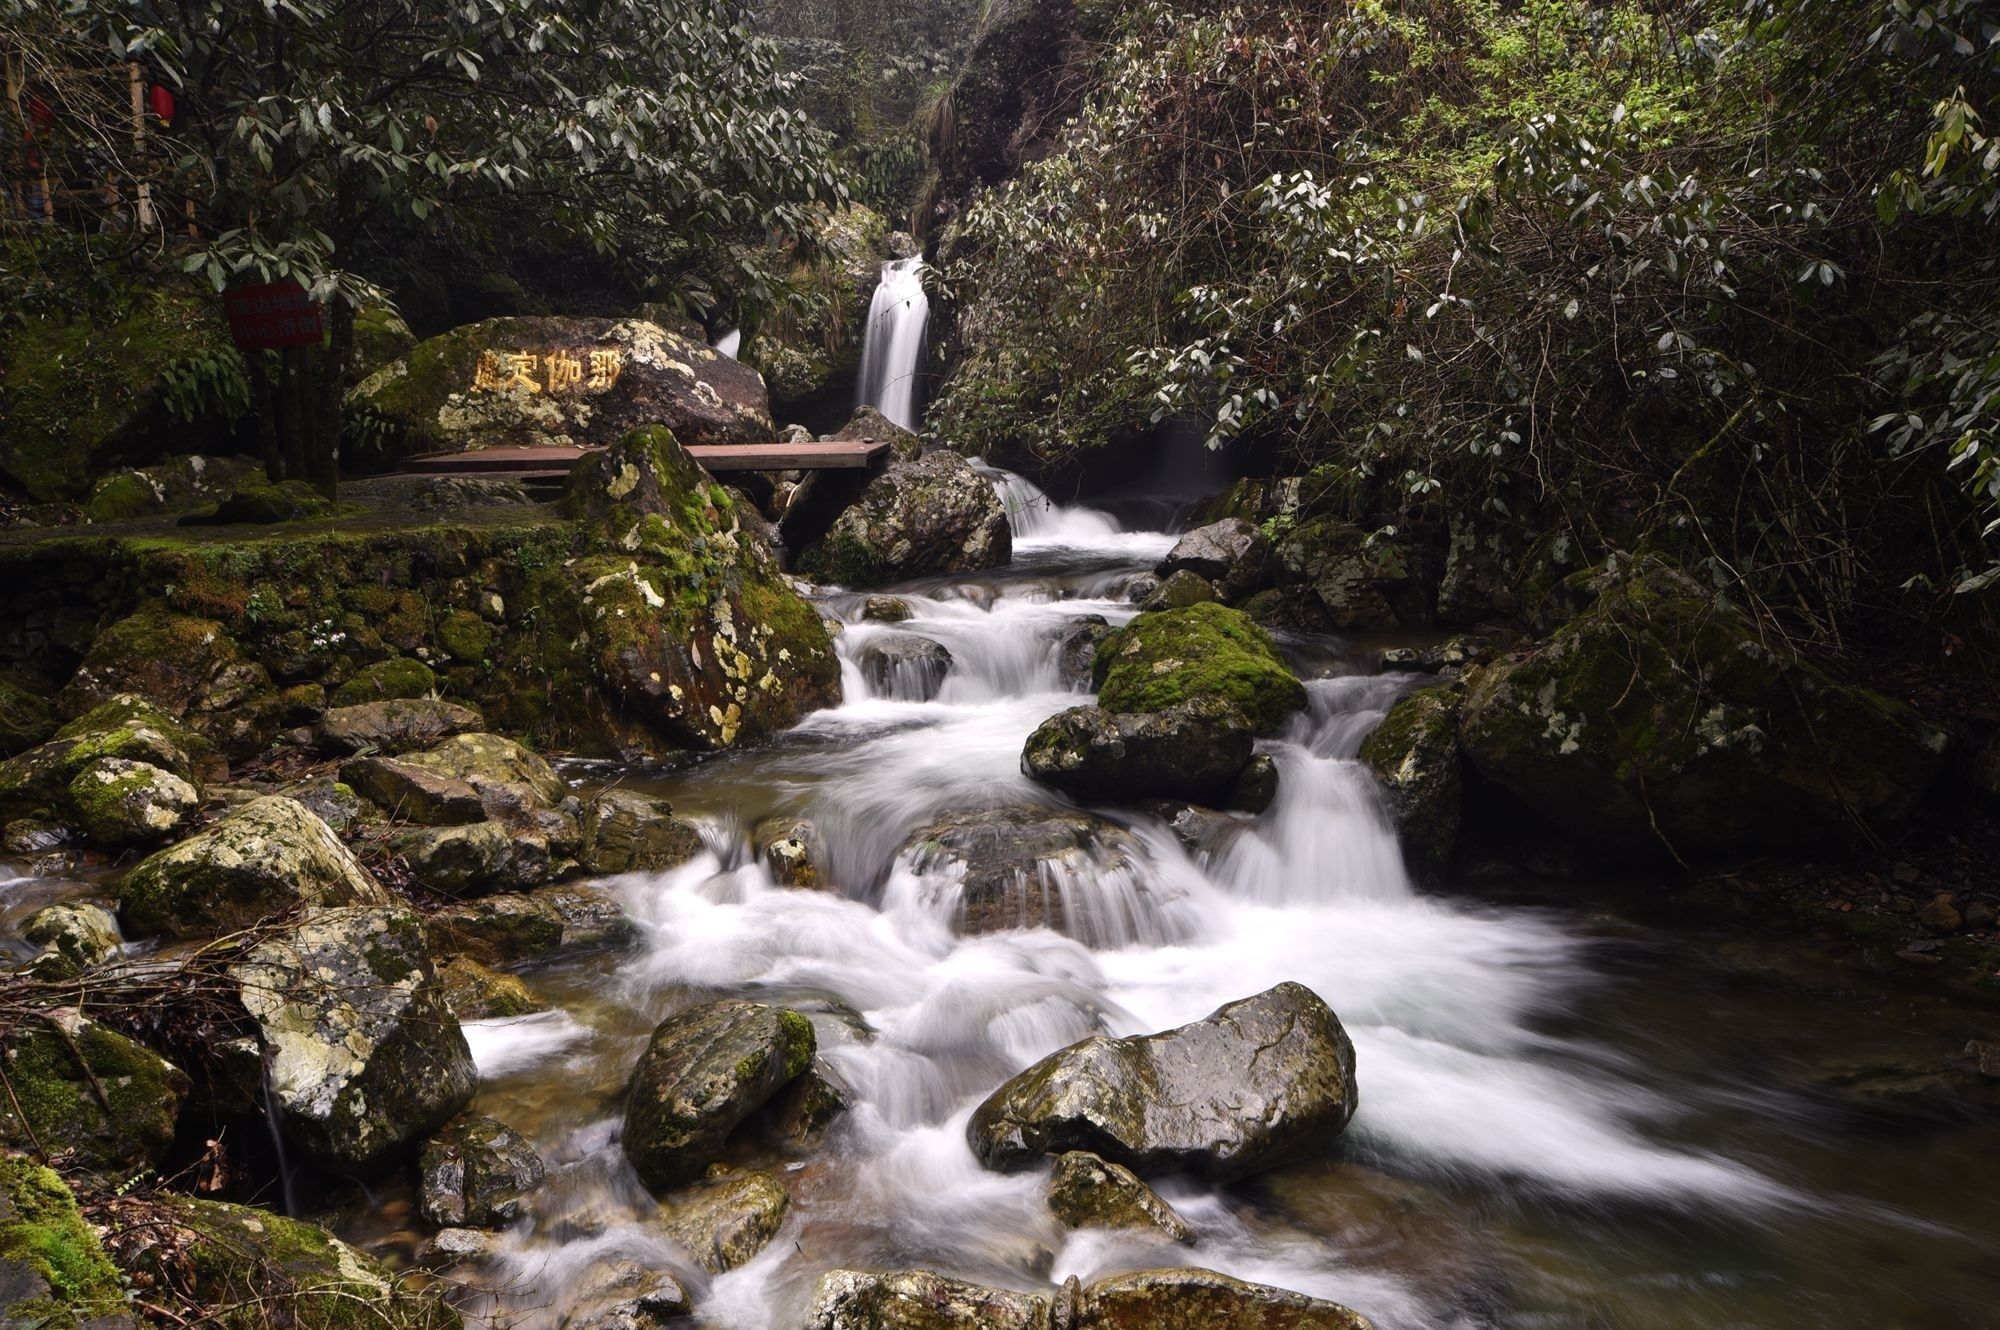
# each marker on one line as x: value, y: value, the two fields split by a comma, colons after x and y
x: 553, y: 372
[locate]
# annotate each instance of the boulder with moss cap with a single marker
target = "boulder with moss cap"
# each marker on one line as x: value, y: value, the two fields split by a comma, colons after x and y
x: 704, y: 1071
x: 1167, y: 657
x: 87, y: 1094
x: 54, y: 1274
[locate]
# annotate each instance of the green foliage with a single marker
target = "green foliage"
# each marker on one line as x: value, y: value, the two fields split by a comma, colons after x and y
x: 1627, y: 272
x: 212, y: 384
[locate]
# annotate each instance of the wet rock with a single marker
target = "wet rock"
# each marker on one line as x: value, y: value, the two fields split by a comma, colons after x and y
x: 243, y: 1263
x: 689, y: 622
x: 1231, y: 554
x: 624, y: 1295
x: 1088, y: 1192
x: 1260, y: 1082
x: 1984, y: 1054
x: 1195, y: 750
x: 1076, y: 649
x: 37, y: 783
x: 1199, y: 830
x: 1414, y: 754
x: 73, y: 938
x: 1256, y: 788
x: 1355, y: 579
x: 513, y: 927
x: 1662, y: 714
x: 85, y: 1095
x: 121, y: 802
x: 363, y: 1054
x: 266, y: 857
x: 928, y: 515
x: 724, y: 1223
x: 788, y: 847
x: 1140, y: 589
x: 410, y: 793
x: 395, y: 725
x: 595, y: 380
x: 885, y: 609
x: 474, y: 860
x: 903, y: 666
x: 476, y: 992
x: 1006, y: 868
x: 703, y: 1073
x: 1178, y: 592
x: 920, y: 1300
x: 477, y: 1173
x: 399, y: 677
x: 54, y: 1274
x: 498, y: 768
x: 800, y: 1113
x: 450, y: 1247
x: 628, y: 832
x: 1940, y: 914
x: 1162, y: 659
x: 1163, y: 1299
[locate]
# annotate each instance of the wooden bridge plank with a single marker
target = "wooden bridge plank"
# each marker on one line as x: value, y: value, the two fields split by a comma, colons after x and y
x: 540, y: 462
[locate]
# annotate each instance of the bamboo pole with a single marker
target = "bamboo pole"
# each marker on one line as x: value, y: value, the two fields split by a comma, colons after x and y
x: 145, y: 190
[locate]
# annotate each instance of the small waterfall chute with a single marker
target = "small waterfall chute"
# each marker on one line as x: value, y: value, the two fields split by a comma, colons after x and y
x: 893, y: 345
x: 730, y: 343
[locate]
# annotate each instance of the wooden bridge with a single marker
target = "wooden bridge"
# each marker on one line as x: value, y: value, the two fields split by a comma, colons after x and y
x: 554, y: 463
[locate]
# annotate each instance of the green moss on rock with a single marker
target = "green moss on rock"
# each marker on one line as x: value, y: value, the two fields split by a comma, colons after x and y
x: 1168, y: 657
x: 1414, y: 754
x: 51, y: 1263
x: 27, y: 717
x: 87, y: 1095
x: 397, y: 677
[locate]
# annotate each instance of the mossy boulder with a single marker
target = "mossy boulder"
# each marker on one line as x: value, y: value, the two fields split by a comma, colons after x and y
x: 534, y: 381
x: 474, y: 859
x: 1157, y: 1299
x: 516, y: 927
x: 81, y: 393
x: 1259, y: 1082
x: 397, y: 677
x: 73, y: 938
x: 266, y: 857
x: 86, y: 1095
x: 363, y: 1055
x: 1662, y: 721
x: 381, y: 337
x: 704, y: 1071
x: 691, y: 626
x: 1414, y: 754
x: 1354, y: 579
x: 117, y: 801
x: 27, y: 717
x: 1194, y: 750
x: 1163, y: 659
x: 174, y: 661
x: 54, y: 1274
x: 625, y: 831
x: 246, y: 1269
x: 257, y: 501
x: 143, y: 764
x: 177, y: 485
x: 477, y: 1172
x: 921, y: 516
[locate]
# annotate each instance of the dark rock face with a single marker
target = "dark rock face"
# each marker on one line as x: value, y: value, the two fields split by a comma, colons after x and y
x: 932, y: 514
x: 690, y: 623
x: 1352, y: 581
x: 626, y: 832
x: 904, y: 666
x: 1009, y: 867
x: 532, y: 381
x: 477, y: 1173
x: 1088, y: 1192
x: 1076, y: 649
x: 1231, y: 554
x: 727, y: 1222
x: 362, y: 1052
x: 1661, y: 714
x: 394, y: 725
x: 1195, y: 751
x: 57, y: 1064
x: 1263, y: 1081
x: 1414, y: 754
x: 705, y: 1071
x: 1178, y: 1299
x: 268, y: 856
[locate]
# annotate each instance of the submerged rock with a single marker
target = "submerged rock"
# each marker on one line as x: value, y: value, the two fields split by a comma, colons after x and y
x: 477, y: 1172
x: 266, y: 857
x: 363, y: 1055
x: 87, y: 1095
x: 904, y: 666
x: 1088, y: 1192
x: 1194, y: 750
x: 927, y: 515
x: 628, y: 832
x: 703, y: 1073
x: 1662, y: 714
x: 1034, y: 867
x: 1232, y: 554
x: 725, y: 1223
x: 1162, y: 659
x: 1414, y: 754
x: 1260, y: 1082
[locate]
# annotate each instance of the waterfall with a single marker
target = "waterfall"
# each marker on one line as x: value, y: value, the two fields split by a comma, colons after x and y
x: 730, y: 343
x: 894, y: 342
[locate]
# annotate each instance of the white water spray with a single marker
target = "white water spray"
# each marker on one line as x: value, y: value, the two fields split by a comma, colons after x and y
x: 893, y: 345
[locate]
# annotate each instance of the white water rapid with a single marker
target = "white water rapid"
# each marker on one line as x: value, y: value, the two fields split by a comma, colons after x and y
x: 730, y: 343
x: 892, y: 346
x: 1465, y: 1082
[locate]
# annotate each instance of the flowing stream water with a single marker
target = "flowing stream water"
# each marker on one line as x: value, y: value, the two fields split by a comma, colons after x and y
x: 1554, y: 1130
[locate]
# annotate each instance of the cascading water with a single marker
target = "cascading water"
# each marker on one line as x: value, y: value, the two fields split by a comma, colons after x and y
x: 1465, y: 1090
x: 893, y: 345
x: 730, y: 343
